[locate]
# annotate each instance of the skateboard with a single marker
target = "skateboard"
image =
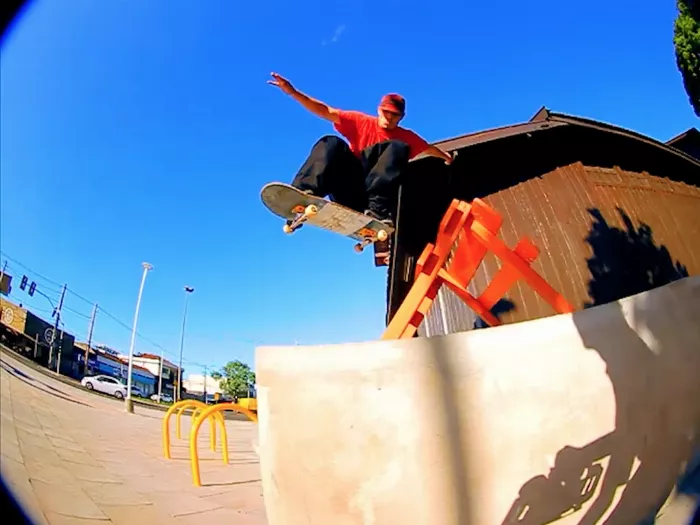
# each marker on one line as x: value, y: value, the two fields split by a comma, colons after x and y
x: 294, y: 205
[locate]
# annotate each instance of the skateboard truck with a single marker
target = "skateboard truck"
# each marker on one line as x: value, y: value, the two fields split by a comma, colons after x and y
x: 303, y: 214
x: 382, y: 235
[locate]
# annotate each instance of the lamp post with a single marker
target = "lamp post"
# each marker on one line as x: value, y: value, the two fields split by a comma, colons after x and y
x: 188, y: 291
x: 129, y: 404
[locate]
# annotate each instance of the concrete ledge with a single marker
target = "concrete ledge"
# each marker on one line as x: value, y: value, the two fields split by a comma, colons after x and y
x: 584, y: 416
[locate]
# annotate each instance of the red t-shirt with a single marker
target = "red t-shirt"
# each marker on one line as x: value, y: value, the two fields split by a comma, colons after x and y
x: 363, y: 131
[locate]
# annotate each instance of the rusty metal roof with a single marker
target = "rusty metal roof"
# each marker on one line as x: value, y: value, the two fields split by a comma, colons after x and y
x: 546, y: 119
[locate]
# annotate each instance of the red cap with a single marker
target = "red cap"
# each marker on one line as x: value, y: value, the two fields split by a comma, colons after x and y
x: 393, y: 102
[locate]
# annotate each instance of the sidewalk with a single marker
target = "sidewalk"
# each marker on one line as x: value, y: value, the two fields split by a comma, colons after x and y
x: 74, y: 458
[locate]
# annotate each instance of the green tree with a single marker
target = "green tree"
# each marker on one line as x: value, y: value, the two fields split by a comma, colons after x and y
x: 235, y: 378
x: 686, y: 39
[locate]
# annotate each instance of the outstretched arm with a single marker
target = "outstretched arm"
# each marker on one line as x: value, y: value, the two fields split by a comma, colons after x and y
x: 318, y: 108
x: 434, y: 151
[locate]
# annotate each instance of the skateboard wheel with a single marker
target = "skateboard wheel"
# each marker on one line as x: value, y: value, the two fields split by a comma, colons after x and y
x: 287, y: 228
x: 382, y: 235
x: 311, y: 209
x: 359, y: 247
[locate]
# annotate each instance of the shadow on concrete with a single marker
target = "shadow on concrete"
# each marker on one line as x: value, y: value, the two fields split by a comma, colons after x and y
x: 656, y: 392
x: 39, y: 385
x: 447, y: 395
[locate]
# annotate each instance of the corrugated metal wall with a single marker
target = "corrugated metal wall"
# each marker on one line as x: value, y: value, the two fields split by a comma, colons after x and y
x: 603, y: 233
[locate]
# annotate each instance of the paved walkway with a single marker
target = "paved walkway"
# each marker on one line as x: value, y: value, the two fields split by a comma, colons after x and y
x: 71, y: 457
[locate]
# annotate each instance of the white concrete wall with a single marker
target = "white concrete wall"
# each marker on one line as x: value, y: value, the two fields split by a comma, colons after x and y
x: 480, y: 427
x: 195, y: 383
x: 152, y: 365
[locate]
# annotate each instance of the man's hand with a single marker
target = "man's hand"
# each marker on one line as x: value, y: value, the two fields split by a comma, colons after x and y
x: 434, y: 151
x: 282, y: 83
x: 316, y: 107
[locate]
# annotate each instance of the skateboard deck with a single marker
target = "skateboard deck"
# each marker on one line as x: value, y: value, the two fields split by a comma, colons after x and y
x: 294, y: 205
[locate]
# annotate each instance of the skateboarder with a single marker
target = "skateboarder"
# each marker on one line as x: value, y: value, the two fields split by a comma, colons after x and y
x: 363, y: 173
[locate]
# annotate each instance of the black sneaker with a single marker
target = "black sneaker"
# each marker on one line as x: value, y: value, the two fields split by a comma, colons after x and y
x: 382, y: 249
x: 380, y: 218
x: 382, y: 252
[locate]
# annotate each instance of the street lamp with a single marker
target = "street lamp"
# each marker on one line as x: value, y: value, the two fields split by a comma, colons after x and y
x: 129, y: 404
x: 188, y: 291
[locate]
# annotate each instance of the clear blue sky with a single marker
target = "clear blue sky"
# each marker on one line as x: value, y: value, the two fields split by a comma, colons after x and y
x: 137, y: 131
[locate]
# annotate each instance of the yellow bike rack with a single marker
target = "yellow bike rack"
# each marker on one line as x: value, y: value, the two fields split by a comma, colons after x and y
x: 207, y: 413
x: 198, y: 406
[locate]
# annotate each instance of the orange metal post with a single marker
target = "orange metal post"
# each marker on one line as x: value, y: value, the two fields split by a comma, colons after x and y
x: 535, y: 280
x: 468, y: 298
x: 470, y: 252
x: 507, y: 276
x: 411, y: 312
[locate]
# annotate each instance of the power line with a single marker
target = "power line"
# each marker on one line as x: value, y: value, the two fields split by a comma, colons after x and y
x: 76, y: 294
x: 21, y: 301
x: 81, y: 314
x: 57, y: 292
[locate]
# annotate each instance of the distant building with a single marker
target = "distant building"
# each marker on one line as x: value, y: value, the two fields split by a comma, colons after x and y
x: 151, y: 362
x: 116, y: 365
x: 31, y: 336
x: 108, y: 350
x: 194, y: 384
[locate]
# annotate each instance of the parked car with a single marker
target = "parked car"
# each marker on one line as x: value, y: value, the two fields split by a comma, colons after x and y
x: 164, y: 398
x: 106, y: 385
x: 137, y: 392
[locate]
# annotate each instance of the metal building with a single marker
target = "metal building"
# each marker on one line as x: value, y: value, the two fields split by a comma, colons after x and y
x: 613, y: 212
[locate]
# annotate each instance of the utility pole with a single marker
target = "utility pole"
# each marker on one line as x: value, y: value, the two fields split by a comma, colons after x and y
x: 58, y: 354
x: 89, y: 339
x: 57, y: 314
x: 160, y: 376
x: 2, y: 276
x: 205, y: 385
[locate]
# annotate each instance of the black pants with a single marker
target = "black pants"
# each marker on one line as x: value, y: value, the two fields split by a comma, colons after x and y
x: 368, y: 182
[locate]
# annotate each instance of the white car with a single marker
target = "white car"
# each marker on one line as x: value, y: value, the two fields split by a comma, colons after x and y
x: 164, y: 398
x: 106, y: 385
